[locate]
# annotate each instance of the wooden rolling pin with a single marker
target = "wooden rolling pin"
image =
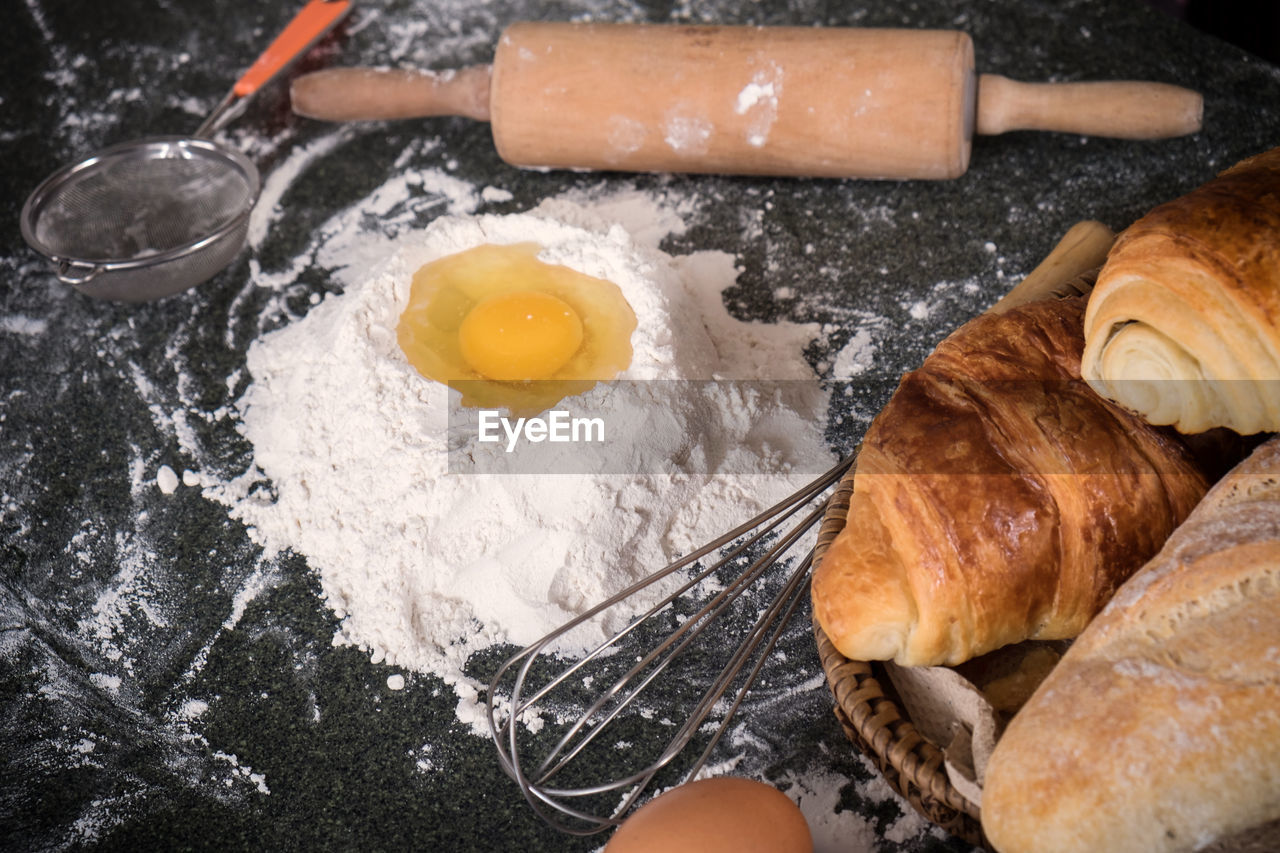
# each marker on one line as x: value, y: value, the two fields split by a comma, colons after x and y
x: 819, y: 102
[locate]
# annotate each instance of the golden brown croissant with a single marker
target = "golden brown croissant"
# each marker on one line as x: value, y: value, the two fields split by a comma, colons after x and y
x: 1160, y: 728
x: 1184, y: 323
x: 997, y: 498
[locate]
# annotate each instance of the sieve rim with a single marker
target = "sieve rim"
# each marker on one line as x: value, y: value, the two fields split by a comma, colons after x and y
x: 204, y: 148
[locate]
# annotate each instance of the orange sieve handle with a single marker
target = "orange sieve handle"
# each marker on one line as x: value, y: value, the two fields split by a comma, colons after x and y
x: 307, y: 27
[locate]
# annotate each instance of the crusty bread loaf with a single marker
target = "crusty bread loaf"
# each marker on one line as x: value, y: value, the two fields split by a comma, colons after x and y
x: 1184, y: 323
x: 1160, y: 728
x: 997, y: 499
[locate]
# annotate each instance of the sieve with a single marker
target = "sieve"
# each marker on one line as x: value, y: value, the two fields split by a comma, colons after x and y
x: 156, y: 216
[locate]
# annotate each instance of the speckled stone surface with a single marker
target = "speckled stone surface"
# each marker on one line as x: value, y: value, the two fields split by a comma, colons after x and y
x: 163, y: 685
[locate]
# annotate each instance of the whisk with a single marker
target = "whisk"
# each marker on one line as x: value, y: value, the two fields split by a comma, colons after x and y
x: 562, y: 805
x: 540, y: 763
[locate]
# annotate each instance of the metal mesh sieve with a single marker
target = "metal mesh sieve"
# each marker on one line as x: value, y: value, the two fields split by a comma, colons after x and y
x: 143, y: 219
x: 150, y: 218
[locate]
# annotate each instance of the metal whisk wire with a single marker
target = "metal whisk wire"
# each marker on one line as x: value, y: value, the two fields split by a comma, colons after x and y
x: 558, y: 806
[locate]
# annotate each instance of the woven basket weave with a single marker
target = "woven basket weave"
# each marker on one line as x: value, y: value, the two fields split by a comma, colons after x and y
x: 873, y: 718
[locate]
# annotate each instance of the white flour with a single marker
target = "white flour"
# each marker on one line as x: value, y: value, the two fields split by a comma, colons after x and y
x: 426, y: 566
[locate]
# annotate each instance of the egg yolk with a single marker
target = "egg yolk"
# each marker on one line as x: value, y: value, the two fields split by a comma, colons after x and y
x: 521, y: 335
x: 509, y: 330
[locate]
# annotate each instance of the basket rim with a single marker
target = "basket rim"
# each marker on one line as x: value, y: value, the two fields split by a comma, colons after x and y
x: 875, y: 722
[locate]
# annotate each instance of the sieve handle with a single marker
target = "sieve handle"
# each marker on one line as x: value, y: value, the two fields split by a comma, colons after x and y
x: 90, y: 272
x: 307, y: 27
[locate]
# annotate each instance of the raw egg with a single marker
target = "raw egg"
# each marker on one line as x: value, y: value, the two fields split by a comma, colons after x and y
x: 511, y: 331
x: 721, y: 815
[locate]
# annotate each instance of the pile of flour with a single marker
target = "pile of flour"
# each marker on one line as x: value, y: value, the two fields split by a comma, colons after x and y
x: 425, y: 566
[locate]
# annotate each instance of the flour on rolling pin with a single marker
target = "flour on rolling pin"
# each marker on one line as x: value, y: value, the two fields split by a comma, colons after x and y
x: 802, y: 101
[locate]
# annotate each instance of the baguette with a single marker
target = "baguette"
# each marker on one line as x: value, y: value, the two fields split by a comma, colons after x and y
x: 1159, y: 731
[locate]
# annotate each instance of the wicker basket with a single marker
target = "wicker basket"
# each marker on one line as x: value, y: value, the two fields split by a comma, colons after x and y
x: 873, y: 717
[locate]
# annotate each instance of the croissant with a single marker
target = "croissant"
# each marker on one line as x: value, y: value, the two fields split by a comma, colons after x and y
x: 1159, y: 730
x: 997, y: 498
x: 1184, y: 323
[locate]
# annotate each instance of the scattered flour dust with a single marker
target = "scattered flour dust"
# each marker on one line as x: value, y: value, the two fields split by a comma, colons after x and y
x: 837, y: 830
x: 855, y: 357
x: 425, y: 566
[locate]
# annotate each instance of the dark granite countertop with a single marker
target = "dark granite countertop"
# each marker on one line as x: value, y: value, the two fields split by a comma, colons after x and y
x: 163, y: 683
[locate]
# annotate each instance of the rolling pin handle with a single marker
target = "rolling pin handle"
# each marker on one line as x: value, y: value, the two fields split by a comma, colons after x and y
x: 369, y: 94
x: 1119, y: 109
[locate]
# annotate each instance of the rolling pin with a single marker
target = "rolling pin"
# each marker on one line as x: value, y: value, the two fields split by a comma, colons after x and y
x: 799, y: 101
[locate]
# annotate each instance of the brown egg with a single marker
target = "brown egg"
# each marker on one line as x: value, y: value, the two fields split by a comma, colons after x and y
x: 720, y: 815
